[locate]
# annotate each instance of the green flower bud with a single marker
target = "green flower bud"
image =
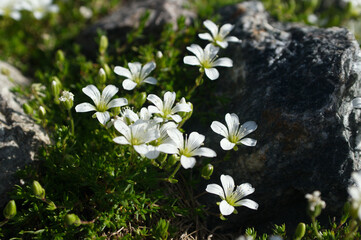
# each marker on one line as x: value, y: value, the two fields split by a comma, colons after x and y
x: 207, y: 171
x: 300, y: 231
x: 67, y: 100
x: 102, y: 77
x: 107, y: 69
x: 103, y: 44
x: 60, y: 57
x: 56, y: 86
x: 38, y: 190
x: 27, y: 109
x: 115, y: 111
x: 42, y: 112
x: 72, y: 219
x: 173, y: 160
x: 140, y: 99
x: 10, y: 210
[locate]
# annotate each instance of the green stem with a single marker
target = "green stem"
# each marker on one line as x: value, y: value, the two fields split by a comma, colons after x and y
x: 197, y: 84
x: 175, y: 171
x: 353, y: 230
x: 71, y: 122
x: 3, y: 222
x: 319, y: 236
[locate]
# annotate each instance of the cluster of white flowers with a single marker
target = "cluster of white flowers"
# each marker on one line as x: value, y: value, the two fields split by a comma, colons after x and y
x: 154, y: 131
x: 13, y: 8
x: 207, y: 58
x: 314, y: 201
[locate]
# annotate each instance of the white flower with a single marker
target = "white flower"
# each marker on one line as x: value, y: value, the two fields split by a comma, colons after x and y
x: 234, y: 134
x: 219, y: 36
x: 314, y: 200
x: 66, y: 96
x: 10, y: 8
x: 230, y: 198
x: 138, y: 134
x: 85, y: 12
x: 207, y: 59
x: 356, y: 102
x: 163, y: 139
x: 137, y: 74
x: 186, y: 148
x: 355, y: 193
x: 41, y: 7
x: 102, y: 102
x: 165, y: 109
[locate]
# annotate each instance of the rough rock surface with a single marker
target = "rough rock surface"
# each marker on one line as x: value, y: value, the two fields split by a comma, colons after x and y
x: 20, y: 137
x: 297, y: 83
x: 128, y: 17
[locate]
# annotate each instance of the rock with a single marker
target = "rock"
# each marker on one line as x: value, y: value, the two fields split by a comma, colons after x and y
x: 128, y: 16
x: 20, y: 136
x: 297, y: 83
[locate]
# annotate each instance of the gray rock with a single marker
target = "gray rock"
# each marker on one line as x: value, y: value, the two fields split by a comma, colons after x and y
x: 20, y: 136
x: 128, y: 16
x: 297, y: 83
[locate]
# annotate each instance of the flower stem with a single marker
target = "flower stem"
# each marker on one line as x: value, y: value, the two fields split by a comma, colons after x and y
x: 71, y: 122
x: 199, y: 81
x: 353, y: 230
x: 319, y: 236
x: 3, y: 222
x: 175, y: 171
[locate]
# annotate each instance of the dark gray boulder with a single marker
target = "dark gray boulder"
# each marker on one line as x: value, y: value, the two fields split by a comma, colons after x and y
x: 297, y: 83
x: 20, y: 136
x: 128, y: 17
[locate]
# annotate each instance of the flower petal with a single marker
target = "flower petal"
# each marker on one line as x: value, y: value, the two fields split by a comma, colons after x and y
x: 191, y: 60
x: 248, y: 142
x: 147, y: 69
x: 232, y: 121
x: 103, y: 117
x: 225, y: 208
x: 187, y: 162
x: 84, y: 107
x: 196, y: 50
x: 210, y: 51
x: 123, y: 128
x: 226, y: 144
x: 177, y: 137
x: 150, y: 80
x: 135, y: 68
x: 211, y: 26
x: 223, y: 62
x: 121, y: 71
x: 92, y: 92
x: 141, y: 149
x: 246, y: 128
x: 156, y: 101
x: 232, y: 39
x: 212, y: 73
x: 195, y: 140
x: 121, y: 140
x: 152, y: 153
x: 168, y: 148
x: 222, y: 44
x: 206, y: 152
x: 247, y: 203
x: 118, y: 102
x: 219, y: 128
x: 356, y: 102
x: 215, y: 189
x: 181, y: 107
x: 205, y: 36
x: 154, y: 109
x: 176, y: 118
x: 129, y: 84
x: 225, y: 29
x: 109, y: 92
x: 228, y: 184
x: 244, y: 190
x: 169, y: 98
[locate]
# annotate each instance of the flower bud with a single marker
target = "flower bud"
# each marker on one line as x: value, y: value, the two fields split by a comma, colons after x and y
x: 55, y: 87
x: 10, y: 210
x: 60, y: 56
x: 67, y: 100
x: 102, y: 77
x: 103, y: 44
x: 173, y: 160
x: 27, y: 109
x: 207, y: 171
x: 42, y: 112
x: 159, y: 54
x: 72, y: 219
x: 107, y: 69
x: 300, y: 230
x: 115, y: 111
x: 140, y: 99
x: 38, y: 190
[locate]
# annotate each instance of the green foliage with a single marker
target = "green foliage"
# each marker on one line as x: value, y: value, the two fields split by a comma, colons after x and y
x: 92, y: 188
